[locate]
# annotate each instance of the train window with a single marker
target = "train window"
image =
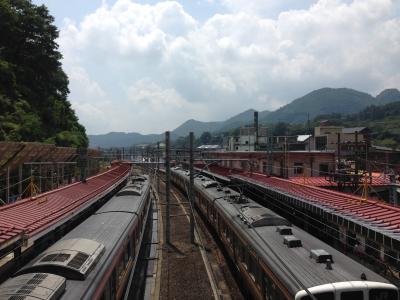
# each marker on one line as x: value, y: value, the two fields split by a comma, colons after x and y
x: 132, y: 246
x: 120, y: 271
x: 242, y: 253
x: 352, y: 295
x: 103, y: 296
x: 113, y: 285
x: 382, y: 294
x: 126, y: 255
x: 322, y: 296
x: 107, y: 291
x: 267, y: 287
x: 252, y: 267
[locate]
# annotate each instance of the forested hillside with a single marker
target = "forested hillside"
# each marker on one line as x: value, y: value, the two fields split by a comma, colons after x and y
x: 33, y: 86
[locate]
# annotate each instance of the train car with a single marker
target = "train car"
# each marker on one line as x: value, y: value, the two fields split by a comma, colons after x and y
x: 94, y: 260
x: 275, y: 259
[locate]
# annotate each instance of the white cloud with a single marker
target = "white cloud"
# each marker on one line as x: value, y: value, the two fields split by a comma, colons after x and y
x: 150, y: 67
x: 267, y: 8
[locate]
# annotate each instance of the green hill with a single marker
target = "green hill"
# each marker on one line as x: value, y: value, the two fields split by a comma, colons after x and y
x: 33, y: 86
x: 388, y: 96
x: 319, y: 102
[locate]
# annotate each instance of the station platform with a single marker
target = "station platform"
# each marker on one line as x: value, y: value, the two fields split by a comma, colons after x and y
x: 31, y: 218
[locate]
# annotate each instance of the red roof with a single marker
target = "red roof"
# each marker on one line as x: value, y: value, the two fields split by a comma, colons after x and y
x: 374, y: 212
x: 33, y: 215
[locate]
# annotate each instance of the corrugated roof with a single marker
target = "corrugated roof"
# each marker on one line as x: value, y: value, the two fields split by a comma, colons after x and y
x: 33, y: 215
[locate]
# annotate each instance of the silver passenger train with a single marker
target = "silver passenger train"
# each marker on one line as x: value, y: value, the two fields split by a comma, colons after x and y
x: 94, y: 260
x: 276, y: 260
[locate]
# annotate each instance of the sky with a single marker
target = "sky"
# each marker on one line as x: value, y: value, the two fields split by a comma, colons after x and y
x: 147, y: 66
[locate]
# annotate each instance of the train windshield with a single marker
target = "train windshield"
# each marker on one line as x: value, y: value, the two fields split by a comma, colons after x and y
x: 383, y: 294
x: 352, y: 295
x: 321, y: 296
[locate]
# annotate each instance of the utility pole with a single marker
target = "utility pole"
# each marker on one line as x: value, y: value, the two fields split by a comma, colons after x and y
x: 255, y: 131
x: 356, y: 153
x: 167, y: 186
x: 269, y: 158
x: 158, y: 167
x: 338, y: 150
x: 191, y: 187
x: 309, y: 145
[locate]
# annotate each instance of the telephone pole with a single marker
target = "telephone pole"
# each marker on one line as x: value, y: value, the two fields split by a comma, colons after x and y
x: 167, y: 187
x: 191, y: 187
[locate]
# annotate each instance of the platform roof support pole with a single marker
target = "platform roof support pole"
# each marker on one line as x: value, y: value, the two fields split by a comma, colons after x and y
x: 58, y: 174
x: 52, y: 177
x: 40, y: 178
x: 191, y: 183
x: 20, y: 180
x: 8, y: 185
x: 167, y: 187
x: 62, y: 173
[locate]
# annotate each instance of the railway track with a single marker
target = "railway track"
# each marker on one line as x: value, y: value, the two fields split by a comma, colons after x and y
x: 191, y: 271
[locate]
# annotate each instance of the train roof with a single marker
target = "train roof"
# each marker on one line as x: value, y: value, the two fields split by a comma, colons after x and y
x: 105, y: 229
x: 122, y: 201
x: 296, y: 266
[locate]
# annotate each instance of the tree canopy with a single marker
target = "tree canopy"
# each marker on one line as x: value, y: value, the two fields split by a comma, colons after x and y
x: 33, y: 86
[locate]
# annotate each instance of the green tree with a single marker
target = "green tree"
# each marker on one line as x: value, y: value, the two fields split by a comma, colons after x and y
x: 33, y: 86
x: 205, y: 138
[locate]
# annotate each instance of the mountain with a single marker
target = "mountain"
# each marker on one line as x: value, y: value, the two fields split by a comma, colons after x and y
x: 242, y: 119
x: 388, y: 96
x: 320, y: 102
x: 197, y: 127
x: 323, y: 101
x: 122, y: 139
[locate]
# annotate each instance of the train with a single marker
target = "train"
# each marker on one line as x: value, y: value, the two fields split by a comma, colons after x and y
x: 93, y: 261
x: 274, y: 259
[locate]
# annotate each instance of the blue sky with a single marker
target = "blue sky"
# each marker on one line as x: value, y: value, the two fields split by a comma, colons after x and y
x: 199, y: 9
x: 148, y: 66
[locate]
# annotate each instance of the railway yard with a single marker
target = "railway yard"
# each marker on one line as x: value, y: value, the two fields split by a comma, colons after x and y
x: 192, y: 271
x: 143, y: 248
x: 195, y: 150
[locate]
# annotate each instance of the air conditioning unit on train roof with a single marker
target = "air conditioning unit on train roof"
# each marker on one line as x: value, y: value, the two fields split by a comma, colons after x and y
x: 39, y: 286
x: 258, y: 216
x: 284, y: 230
x: 320, y: 255
x: 291, y: 241
x: 132, y: 190
x: 209, y: 184
x: 72, y: 259
x: 138, y: 178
